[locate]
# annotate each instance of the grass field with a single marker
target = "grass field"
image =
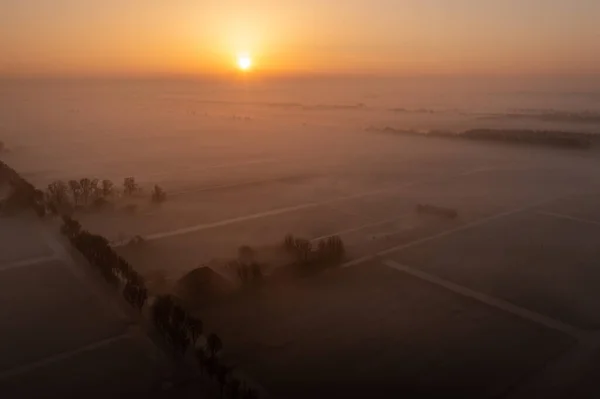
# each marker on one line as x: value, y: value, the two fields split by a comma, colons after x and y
x: 369, y: 331
x: 63, y: 334
x: 478, y: 306
x: 496, y: 295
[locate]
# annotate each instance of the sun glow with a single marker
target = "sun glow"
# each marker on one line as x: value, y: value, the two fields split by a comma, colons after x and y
x: 244, y: 62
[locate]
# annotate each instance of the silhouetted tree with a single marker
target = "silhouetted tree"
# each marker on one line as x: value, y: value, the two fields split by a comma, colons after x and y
x: 214, y: 344
x: 86, y: 189
x: 71, y: 228
x: 234, y: 388
x: 222, y: 374
x: 57, y: 196
x: 256, y: 271
x: 289, y: 243
x: 107, y: 188
x: 195, y: 328
x: 129, y: 186
x: 212, y: 365
x: 95, y: 190
x: 75, y: 191
x: 303, y: 249
x: 250, y: 393
x: 39, y: 205
x: 201, y: 358
x: 158, y: 195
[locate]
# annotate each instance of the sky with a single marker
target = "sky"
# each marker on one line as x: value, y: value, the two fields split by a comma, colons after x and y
x: 204, y: 37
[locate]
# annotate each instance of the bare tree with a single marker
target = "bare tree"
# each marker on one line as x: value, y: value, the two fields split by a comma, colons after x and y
x: 86, y: 189
x: 214, y: 344
x: 75, y: 191
x: 222, y: 374
x: 57, y: 196
x: 107, y: 188
x: 130, y: 186
x: 95, y: 190
x: 158, y: 195
x: 234, y: 388
x: 195, y: 328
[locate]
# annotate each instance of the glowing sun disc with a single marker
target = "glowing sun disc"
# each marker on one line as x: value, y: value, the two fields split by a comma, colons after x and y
x: 244, y: 62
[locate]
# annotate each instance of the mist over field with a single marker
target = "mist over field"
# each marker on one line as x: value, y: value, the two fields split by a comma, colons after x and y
x: 172, y: 131
x: 316, y: 199
x: 461, y: 257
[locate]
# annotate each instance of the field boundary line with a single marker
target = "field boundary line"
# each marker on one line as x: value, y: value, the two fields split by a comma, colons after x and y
x: 62, y: 356
x: 78, y: 271
x: 491, y: 301
x: 260, y: 215
x: 361, y: 227
x: 568, y: 217
x: 445, y: 233
x: 27, y: 262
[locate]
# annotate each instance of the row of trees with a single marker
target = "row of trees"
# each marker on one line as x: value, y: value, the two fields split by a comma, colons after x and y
x: 246, y: 268
x: 179, y: 329
x: 327, y: 252
x: 115, y: 270
x: 22, y: 194
x: 62, y: 197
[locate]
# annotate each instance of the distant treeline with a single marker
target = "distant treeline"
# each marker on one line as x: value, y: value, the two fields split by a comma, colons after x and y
x: 552, y: 116
x: 551, y: 138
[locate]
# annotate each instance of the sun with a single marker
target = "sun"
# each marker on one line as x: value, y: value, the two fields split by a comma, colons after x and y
x: 244, y: 62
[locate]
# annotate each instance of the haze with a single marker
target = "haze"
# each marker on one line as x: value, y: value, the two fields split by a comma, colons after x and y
x: 65, y: 37
x: 299, y: 199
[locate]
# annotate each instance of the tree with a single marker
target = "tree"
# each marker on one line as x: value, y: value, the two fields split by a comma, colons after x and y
x: 289, y: 243
x: 57, y: 196
x: 212, y: 365
x: 250, y: 393
x: 222, y: 374
x: 39, y: 205
x: 75, y: 191
x: 95, y: 190
x: 107, y: 188
x: 201, y: 358
x: 303, y: 249
x: 158, y: 195
x: 234, y: 388
x: 71, y: 228
x: 214, y: 344
x: 142, y: 297
x: 86, y: 189
x: 130, y: 186
x: 256, y: 271
x: 195, y: 328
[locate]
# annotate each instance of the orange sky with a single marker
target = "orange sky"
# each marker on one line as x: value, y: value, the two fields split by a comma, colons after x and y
x: 140, y: 37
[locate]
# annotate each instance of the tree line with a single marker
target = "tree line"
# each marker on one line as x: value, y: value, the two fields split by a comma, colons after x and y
x: 246, y: 268
x: 177, y: 327
x: 22, y: 193
x: 115, y: 270
x: 62, y: 197
x: 309, y: 257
